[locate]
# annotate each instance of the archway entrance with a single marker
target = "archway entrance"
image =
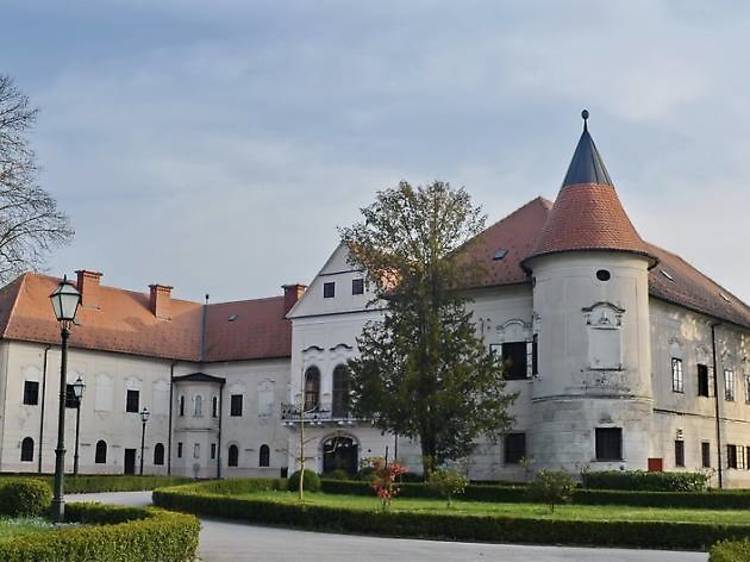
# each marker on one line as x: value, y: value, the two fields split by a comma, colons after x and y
x: 340, y: 453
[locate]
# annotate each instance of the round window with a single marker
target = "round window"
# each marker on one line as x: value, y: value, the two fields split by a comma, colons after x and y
x: 603, y: 275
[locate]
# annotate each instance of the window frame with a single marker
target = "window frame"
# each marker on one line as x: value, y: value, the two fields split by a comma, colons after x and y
x: 329, y: 290
x: 27, y: 449
x: 100, y: 452
x: 236, y: 405
x: 518, y: 350
x: 311, y: 390
x: 128, y: 402
x: 358, y: 286
x: 514, y: 447
x: 28, y: 394
x: 264, y: 456
x: 159, y: 454
x: 600, y: 444
x: 340, y: 388
x: 678, y: 378
x: 705, y: 454
x: 679, y: 453
x: 179, y: 449
x: 729, y: 385
x: 233, y: 456
x: 703, y: 371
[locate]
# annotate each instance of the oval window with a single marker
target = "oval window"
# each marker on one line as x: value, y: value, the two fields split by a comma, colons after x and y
x: 603, y: 275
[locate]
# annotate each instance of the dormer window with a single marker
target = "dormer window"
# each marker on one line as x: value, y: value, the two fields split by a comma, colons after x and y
x: 329, y: 290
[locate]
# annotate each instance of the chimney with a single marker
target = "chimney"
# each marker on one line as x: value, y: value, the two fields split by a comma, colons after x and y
x: 159, y: 300
x: 292, y: 294
x: 88, y: 285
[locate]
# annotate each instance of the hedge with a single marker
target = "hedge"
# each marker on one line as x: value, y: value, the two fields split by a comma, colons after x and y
x: 646, y: 481
x: 645, y: 534
x: 24, y: 497
x: 85, y: 483
x: 109, y: 534
x: 311, y: 482
x: 730, y: 551
x: 729, y: 499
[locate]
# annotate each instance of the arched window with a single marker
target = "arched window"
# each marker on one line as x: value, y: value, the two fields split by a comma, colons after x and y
x: 198, y: 410
x: 340, y: 406
x: 182, y: 405
x: 100, y: 456
x: 233, y: 458
x: 215, y: 407
x: 159, y: 454
x: 27, y: 450
x: 265, y: 456
x: 312, y: 388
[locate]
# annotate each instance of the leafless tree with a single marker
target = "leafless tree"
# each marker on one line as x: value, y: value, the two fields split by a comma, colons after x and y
x: 30, y: 223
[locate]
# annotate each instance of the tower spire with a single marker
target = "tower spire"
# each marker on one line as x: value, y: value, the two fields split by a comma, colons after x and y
x: 587, y: 165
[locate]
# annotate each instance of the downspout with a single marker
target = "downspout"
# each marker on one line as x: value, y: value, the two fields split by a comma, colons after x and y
x: 716, y: 403
x: 41, y: 413
x: 218, y: 446
x: 171, y: 407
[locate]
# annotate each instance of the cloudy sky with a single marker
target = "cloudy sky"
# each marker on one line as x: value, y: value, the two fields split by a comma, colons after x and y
x: 216, y: 146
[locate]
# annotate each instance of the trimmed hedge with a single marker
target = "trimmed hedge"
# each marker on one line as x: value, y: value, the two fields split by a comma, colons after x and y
x: 24, y: 497
x: 91, y: 483
x: 646, y: 534
x: 641, y: 480
x: 311, y: 483
x: 730, y: 551
x: 109, y: 534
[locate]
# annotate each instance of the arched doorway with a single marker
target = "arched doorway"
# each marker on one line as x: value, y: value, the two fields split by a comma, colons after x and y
x: 340, y: 453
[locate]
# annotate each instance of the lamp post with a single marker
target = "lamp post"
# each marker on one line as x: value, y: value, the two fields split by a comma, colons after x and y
x: 65, y: 302
x: 78, y: 387
x: 144, y: 418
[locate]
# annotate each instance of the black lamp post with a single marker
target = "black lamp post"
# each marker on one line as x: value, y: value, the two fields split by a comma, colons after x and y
x: 144, y: 418
x: 65, y: 302
x: 78, y: 387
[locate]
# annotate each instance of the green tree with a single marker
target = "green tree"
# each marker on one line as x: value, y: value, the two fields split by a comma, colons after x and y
x: 423, y: 371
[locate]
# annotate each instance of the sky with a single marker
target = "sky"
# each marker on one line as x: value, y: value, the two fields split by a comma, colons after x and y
x: 217, y: 146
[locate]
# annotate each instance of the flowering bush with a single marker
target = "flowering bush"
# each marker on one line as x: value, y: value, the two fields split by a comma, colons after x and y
x: 384, y: 481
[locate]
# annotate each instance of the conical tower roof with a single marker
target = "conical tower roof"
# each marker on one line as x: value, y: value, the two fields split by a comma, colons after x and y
x: 587, y: 214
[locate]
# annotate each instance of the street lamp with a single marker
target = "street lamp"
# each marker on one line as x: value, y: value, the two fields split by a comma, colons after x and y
x: 78, y: 387
x: 65, y: 302
x: 144, y: 418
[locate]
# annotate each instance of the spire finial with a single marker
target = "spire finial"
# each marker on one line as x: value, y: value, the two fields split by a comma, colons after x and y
x: 585, y: 115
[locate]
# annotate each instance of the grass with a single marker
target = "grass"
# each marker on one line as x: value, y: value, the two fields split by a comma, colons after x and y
x: 518, y: 510
x: 10, y: 527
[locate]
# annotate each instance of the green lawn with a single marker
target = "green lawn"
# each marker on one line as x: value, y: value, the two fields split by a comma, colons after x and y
x: 23, y: 525
x: 522, y: 510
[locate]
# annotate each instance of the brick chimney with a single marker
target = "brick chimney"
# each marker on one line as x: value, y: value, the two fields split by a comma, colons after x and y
x: 159, y: 300
x: 88, y: 285
x: 292, y: 294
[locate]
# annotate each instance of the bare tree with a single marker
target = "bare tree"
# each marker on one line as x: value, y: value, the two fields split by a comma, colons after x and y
x: 30, y: 223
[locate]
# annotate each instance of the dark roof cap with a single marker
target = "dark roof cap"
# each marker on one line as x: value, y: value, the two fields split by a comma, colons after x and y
x: 587, y: 165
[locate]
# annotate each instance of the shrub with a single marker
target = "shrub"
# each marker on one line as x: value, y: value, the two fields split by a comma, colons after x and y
x: 552, y: 487
x: 109, y: 533
x: 384, y: 483
x: 338, y: 474
x: 365, y: 474
x: 86, y: 483
x: 646, y: 481
x: 447, y: 482
x: 730, y: 551
x: 310, y: 483
x: 411, y: 477
x: 24, y: 497
x: 455, y: 526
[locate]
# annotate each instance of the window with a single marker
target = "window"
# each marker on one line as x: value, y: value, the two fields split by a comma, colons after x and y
x: 264, y: 456
x: 179, y: 450
x: 234, y: 456
x: 741, y: 456
x: 603, y: 275
x: 215, y: 407
x: 679, y: 453
x: 31, y: 393
x: 677, y: 382
x: 358, y: 286
x: 731, y: 456
x: 729, y: 384
x: 514, y: 360
x: 182, y: 406
x: 198, y: 407
x: 329, y: 290
x: 706, y: 454
x: 515, y: 447
x: 70, y: 397
x: 235, y: 405
x: 703, y: 389
x: 159, y: 454
x: 213, y: 451
x: 131, y: 402
x: 196, y: 450
x: 608, y: 443
x: 747, y: 388
x: 340, y: 405
x: 312, y: 389
x: 100, y: 453
x: 27, y: 450
x: 535, y: 356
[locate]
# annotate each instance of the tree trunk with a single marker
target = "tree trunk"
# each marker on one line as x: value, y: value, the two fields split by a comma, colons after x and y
x: 428, y: 456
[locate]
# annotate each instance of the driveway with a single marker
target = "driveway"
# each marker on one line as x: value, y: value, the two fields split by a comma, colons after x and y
x: 226, y: 541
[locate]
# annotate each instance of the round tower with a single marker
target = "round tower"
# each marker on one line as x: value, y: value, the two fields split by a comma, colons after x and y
x: 592, y: 401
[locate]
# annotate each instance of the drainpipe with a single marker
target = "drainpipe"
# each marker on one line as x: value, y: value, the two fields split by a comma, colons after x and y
x: 218, y: 446
x: 716, y: 402
x: 169, y: 435
x: 41, y: 413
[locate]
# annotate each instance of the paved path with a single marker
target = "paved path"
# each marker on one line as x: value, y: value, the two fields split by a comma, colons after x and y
x: 225, y: 541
